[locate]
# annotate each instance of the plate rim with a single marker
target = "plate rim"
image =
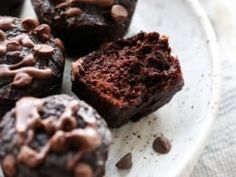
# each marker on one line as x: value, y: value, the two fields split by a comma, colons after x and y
x: 187, y: 167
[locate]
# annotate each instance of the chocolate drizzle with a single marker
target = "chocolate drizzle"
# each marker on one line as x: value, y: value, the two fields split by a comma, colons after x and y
x: 25, y: 71
x: 62, y: 132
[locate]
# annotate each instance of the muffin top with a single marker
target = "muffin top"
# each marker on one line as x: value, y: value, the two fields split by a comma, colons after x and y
x: 57, y: 133
x: 30, y: 58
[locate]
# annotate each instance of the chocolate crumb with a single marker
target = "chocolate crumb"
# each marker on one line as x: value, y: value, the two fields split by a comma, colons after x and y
x: 119, y: 14
x: 162, y: 145
x: 125, y: 162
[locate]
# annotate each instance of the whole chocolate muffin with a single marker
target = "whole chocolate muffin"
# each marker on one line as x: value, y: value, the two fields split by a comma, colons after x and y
x: 57, y: 136
x: 10, y: 7
x: 84, y: 24
x: 128, y: 79
x: 31, y: 61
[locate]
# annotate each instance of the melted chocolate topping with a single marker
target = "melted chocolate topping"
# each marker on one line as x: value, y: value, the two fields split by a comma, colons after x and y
x: 62, y: 132
x: 25, y: 70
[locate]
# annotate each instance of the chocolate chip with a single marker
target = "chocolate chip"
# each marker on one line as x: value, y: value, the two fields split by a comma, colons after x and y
x: 43, y: 31
x: 2, y: 35
x: 43, y: 50
x: 83, y: 170
x: 29, y: 23
x: 119, y: 13
x: 59, y: 43
x: 22, y: 80
x: 73, y: 12
x: 161, y: 145
x: 102, y: 3
x: 125, y: 162
x: 13, y: 45
x: 6, y: 23
x: 3, y: 50
x: 9, y: 165
x: 27, y: 42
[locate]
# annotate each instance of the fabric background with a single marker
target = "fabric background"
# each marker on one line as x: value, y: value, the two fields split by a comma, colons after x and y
x: 219, y: 157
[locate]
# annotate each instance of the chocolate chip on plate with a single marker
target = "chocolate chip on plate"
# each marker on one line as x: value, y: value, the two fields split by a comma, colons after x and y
x: 125, y: 162
x: 162, y: 145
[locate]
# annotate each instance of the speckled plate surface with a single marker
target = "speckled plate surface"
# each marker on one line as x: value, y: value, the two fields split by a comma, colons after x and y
x: 188, y: 119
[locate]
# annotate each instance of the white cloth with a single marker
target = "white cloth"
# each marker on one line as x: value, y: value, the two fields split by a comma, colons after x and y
x: 219, y: 157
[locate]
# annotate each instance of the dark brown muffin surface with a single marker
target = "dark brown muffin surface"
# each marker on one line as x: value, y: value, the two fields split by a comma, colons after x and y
x: 31, y: 60
x: 129, y: 78
x: 84, y: 24
x: 56, y: 136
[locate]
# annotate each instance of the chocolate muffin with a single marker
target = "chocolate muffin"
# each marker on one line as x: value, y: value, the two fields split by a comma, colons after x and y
x: 57, y: 136
x: 31, y: 61
x: 128, y: 79
x: 84, y: 24
x: 10, y: 7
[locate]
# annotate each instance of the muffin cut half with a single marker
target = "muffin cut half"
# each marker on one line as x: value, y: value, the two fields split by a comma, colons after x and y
x: 128, y: 79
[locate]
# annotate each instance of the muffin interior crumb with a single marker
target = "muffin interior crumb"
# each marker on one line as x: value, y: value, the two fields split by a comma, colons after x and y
x: 126, y: 70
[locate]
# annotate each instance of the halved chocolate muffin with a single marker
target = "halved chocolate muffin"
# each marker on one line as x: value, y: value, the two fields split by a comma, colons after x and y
x: 128, y: 79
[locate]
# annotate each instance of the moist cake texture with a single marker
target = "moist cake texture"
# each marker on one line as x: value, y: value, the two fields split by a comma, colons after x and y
x: 128, y: 79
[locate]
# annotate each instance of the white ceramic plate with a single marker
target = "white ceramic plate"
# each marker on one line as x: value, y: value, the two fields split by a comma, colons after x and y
x: 188, y: 119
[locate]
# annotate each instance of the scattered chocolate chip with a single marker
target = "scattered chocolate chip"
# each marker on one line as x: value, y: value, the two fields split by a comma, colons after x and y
x: 43, y: 50
x: 102, y: 3
x: 6, y: 23
x: 83, y: 170
x: 125, y: 162
x: 22, y: 80
x: 2, y: 35
x: 13, y: 45
x: 119, y: 13
x: 29, y: 23
x: 43, y: 31
x: 3, y: 50
x: 59, y: 43
x: 73, y: 12
x: 27, y: 42
x: 161, y: 145
x: 9, y: 165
